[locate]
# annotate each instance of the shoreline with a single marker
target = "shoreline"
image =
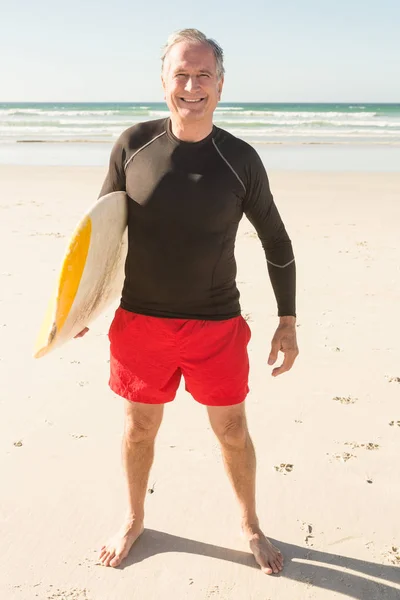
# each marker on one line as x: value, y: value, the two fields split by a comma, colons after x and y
x: 249, y: 141
x: 284, y: 156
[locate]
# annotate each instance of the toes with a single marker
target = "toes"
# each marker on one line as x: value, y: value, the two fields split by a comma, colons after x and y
x: 271, y: 568
x: 275, y: 567
x: 116, y: 561
x: 271, y: 565
x: 265, y: 565
x: 110, y: 558
x: 267, y: 570
x: 107, y: 558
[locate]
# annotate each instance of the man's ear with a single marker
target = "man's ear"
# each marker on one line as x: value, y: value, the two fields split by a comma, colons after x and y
x: 220, y: 86
x: 163, y: 84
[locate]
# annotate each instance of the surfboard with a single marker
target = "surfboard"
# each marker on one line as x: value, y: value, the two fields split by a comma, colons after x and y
x: 91, y: 274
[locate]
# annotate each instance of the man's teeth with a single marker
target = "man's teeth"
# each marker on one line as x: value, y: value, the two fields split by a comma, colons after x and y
x: 186, y: 100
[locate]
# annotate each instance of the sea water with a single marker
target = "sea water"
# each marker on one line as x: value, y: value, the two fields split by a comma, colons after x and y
x: 302, y: 136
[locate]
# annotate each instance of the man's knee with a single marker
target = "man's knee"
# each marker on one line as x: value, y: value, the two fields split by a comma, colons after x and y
x: 232, y: 432
x: 141, y: 426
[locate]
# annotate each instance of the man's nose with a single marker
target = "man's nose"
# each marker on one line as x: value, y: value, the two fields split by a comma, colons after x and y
x: 192, y: 84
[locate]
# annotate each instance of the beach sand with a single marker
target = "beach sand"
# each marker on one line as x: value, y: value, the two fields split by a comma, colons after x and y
x: 335, y: 417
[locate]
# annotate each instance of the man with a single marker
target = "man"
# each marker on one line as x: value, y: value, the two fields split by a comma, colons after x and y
x: 189, y: 184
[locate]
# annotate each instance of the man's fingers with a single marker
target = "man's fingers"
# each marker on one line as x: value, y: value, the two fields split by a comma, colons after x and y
x: 81, y: 333
x: 273, y: 355
x: 287, y: 364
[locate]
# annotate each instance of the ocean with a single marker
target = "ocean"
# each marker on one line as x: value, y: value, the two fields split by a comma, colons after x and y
x: 82, y: 133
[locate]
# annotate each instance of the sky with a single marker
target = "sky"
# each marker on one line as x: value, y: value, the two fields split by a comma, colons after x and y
x: 275, y: 51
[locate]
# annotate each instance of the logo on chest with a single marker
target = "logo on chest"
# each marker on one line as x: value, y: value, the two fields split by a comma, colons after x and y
x: 195, y: 177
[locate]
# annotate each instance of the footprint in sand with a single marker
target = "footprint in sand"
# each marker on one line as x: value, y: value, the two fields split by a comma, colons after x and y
x: 284, y: 468
x: 369, y: 446
x: 345, y: 400
x: 344, y: 456
x: 392, y: 555
x: 309, y: 529
x: 55, y: 234
x: 71, y: 594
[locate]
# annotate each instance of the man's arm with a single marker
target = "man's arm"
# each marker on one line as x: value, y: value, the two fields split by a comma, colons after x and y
x: 260, y: 209
x: 262, y: 212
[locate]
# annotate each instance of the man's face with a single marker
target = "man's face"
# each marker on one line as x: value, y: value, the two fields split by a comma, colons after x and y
x: 190, y: 82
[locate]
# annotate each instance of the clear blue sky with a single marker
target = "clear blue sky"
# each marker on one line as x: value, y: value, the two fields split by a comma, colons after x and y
x: 275, y: 50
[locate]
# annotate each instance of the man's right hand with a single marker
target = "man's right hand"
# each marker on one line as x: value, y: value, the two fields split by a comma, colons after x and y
x: 82, y: 333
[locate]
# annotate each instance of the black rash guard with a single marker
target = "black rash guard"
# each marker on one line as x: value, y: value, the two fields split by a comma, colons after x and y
x: 185, y: 202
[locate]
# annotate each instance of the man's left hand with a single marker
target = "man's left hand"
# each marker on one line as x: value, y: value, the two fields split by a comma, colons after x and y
x: 284, y: 341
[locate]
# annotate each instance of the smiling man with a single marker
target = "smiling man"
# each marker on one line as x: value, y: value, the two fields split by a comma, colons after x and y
x: 192, y: 82
x: 189, y: 183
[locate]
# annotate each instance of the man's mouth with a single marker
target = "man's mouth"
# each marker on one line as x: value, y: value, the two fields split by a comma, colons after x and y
x: 190, y: 101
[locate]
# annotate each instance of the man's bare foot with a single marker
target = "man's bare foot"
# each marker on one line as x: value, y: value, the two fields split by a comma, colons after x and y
x: 118, y: 547
x: 267, y: 556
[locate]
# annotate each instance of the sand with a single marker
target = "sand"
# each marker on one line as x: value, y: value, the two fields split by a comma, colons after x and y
x: 334, y: 418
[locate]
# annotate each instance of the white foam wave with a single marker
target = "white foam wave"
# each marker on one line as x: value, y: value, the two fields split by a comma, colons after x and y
x: 41, y: 112
x: 159, y: 114
x: 304, y: 114
x: 228, y: 108
x: 122, y: 123
x: 300, y: 123
x: 16, y: 111
x: 58, y: 130
x: 125, y: 121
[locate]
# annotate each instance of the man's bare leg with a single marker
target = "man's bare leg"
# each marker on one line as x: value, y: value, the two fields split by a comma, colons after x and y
x: 142, y: 422
x: 230, y: 426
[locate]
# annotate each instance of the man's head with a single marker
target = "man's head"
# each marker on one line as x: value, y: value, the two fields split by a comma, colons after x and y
x: 192, y: 76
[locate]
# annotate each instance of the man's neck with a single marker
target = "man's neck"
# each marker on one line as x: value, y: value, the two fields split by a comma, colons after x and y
x: 190, y: 133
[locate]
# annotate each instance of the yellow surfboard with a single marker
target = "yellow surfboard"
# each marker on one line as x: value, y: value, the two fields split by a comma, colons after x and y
x: 91, y: 274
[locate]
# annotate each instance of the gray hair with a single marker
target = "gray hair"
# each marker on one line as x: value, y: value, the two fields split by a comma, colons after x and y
x: 195, y: 36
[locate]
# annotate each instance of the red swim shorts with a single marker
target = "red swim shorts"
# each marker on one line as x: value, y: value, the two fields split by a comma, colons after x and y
x: 149, y: 355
